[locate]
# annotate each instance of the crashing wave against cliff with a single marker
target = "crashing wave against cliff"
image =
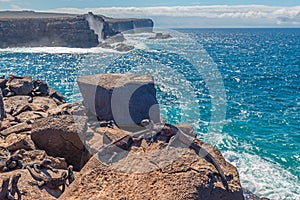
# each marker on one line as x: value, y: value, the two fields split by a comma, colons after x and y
x: 33, y: 29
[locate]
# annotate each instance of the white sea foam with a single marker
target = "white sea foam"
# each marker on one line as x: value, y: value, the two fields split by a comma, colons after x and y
x: 263, y: 177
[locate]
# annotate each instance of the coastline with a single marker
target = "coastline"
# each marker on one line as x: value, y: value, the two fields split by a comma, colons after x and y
x: 234, y: 156
x: 33, y: 109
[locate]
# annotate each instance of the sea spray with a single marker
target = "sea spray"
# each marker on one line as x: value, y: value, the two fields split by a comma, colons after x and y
x: 96, y: 25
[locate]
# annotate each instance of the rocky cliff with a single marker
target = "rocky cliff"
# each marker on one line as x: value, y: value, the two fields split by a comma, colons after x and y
x: 39, y: 126
x: 31, y: 29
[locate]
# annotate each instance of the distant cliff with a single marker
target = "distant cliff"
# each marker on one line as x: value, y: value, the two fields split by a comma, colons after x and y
x: 30, y: 29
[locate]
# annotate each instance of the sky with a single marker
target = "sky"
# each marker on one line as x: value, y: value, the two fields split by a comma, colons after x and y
x: 178, y: 13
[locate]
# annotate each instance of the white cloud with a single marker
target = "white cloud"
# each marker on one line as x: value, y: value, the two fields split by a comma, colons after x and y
x: 15, y: 7
x: 6, y: 1
x: 243, y: 13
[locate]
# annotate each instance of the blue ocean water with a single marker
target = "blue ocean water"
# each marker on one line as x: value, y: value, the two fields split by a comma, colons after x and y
x: 239, y: 88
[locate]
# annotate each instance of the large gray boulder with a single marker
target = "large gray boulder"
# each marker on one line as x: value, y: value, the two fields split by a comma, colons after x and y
x: 125, y: 98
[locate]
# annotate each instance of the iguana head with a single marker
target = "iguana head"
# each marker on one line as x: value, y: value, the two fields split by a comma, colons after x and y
x: 46, y: 162
x: 16, y: 177
x: 70, y: 168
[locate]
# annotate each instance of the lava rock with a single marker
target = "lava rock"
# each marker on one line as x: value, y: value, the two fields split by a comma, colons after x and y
x: 61, y: 137
x: 125, y: 98
x: 20, y: 86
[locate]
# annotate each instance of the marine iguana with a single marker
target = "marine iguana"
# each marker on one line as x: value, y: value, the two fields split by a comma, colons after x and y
x: 49, y: 182
x: 14, y: 185
x: 5, y: 193
x: 2, y: 108
x: 178, y: 134
x: 8, y: 161
x: 155, y: 129
x: 71, y: 177
x: 40, y: 165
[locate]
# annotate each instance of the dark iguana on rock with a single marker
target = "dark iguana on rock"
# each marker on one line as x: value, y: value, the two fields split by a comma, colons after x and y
x: 40, y: 165
x: 176, y: 134
x: 9, y: 162
x: 14, y: 185
x: 173, y: 133
x: 49, y: 182
x: 71, y: 177
x: 2, y: 109
x: 5, y: 193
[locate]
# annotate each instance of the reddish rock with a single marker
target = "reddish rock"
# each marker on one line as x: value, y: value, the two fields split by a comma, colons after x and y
x: 18, y: 128
x: 60, y: 137
x: 16, y: 142
x: 154, y: 171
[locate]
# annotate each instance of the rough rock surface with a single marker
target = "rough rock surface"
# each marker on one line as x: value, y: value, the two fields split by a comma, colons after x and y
x: 20, y: 86
x: 126, y: 99
x: 60, y: 136
x: 187, y: 177
x: 29, y: 189
x: 141, y: 168
x: 66, y: 32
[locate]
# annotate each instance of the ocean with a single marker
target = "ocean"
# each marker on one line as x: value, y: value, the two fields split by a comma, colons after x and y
x: 239, y: 88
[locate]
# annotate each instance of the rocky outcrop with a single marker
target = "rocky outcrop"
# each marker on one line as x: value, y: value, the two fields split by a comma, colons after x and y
x: 147, y: 173
x: 44, y: 29
x: 40, y: 126
x: 60, y: 137
x: 126, y: 99
x: 160, y: 36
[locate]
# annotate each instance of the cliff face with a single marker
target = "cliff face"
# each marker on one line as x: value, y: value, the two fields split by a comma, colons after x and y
x: 131, y: 25
x: 67, y: 30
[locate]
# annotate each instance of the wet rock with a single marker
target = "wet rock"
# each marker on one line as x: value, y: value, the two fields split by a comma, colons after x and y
x: 125, y: 98
x: 61, y: 137
x: 20, y: 85
x: 118, y: 47
x: 250, y: 196
x: 123, y: 47
x: 160, y: 36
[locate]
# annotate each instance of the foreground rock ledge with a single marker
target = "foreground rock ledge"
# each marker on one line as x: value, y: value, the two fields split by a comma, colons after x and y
x: 188, y: 177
